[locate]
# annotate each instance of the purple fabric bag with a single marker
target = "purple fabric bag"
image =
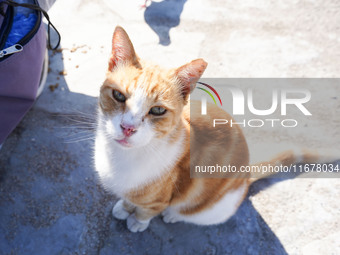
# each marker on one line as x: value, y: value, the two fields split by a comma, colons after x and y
x: 21, y: 71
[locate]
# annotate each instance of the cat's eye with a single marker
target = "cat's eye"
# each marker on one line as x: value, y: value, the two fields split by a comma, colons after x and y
x: 118, y: 96
x: 157, y: 110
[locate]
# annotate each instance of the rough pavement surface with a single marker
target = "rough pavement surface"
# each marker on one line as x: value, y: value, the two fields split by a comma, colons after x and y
x: 50, y: 200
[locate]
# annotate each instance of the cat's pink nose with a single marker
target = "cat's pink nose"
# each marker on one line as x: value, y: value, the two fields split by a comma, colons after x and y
x: 128, y: 130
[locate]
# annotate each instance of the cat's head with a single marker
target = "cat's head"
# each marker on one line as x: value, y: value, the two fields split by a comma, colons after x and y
x: 140, y: 102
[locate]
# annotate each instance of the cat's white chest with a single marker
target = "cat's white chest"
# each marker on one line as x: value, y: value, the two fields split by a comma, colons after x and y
x: 121, y: 171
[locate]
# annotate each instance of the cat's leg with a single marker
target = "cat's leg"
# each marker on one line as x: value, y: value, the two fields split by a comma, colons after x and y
x: 171, y: 216
x: 122, y: 209
x: 137, y: 225
x: 219, y: 212
x: 140, y: 219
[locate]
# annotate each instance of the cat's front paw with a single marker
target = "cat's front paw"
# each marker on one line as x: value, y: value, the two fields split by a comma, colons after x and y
x: 169, y: 216
x: 119, y: 211
x: 135, y: 225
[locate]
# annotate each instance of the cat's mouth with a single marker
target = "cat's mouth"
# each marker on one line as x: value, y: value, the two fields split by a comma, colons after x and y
x: 124, y: 142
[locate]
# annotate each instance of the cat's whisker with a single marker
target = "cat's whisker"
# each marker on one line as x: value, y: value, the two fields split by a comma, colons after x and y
x: 75, y: 116
x: 81, y: 126
x: 80, y: 139
x: 74, y: 127
x: 81, y: 122
x: 79, y: 112
x: 85, y: 114
x: 76, y: 134
x: 90, y: 116
x: 75, y: 137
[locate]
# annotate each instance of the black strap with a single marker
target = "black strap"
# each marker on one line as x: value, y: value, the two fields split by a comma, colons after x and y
x: 38, y: 8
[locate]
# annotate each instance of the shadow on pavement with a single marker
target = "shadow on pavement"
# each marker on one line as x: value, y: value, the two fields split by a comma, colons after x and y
x: 162, y: 16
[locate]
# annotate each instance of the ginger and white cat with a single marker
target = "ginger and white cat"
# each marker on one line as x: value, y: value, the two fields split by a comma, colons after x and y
x: 142, y: 148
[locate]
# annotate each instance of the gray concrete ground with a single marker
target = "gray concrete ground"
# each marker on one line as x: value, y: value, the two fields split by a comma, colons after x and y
x: 50, y: 199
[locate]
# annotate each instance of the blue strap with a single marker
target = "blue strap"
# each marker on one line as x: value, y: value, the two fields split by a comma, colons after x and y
x: 38, y: 8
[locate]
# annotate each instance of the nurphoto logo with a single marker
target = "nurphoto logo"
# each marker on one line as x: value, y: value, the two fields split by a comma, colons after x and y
x: 204, y: 99
x: 281, y: 100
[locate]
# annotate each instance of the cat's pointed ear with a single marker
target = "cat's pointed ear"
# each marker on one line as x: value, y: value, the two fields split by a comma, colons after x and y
x: 189, y: 74
x: 122, y: 50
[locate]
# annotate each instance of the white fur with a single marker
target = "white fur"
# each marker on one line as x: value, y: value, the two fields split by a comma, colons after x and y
x: 119, y: 211
x: 135, y: 225
x: 122, y: 170
x: 218, y: 213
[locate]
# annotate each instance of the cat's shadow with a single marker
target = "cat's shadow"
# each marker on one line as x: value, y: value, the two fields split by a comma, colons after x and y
x: 162, y: 16
x: 244, y: 233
